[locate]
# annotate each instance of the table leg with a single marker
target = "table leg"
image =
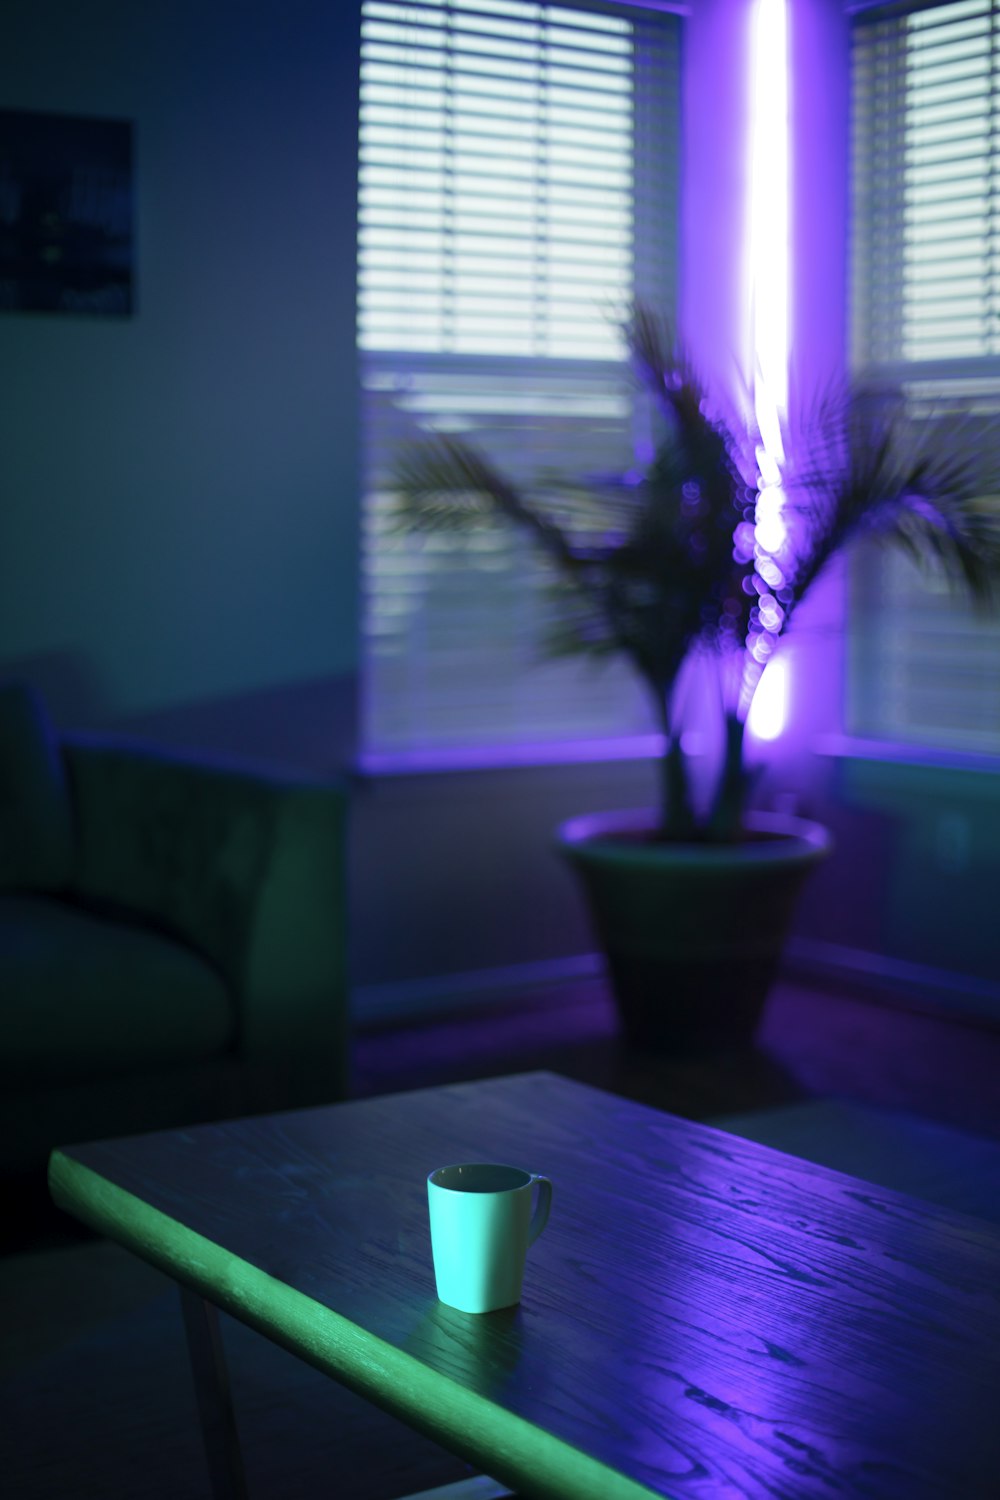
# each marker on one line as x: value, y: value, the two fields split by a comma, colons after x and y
x: 477, y: 1487
x: 218, y: 1419
x: 215, y: 1406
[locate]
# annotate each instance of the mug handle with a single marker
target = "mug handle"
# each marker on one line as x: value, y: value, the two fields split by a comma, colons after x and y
x: 543, y: 1204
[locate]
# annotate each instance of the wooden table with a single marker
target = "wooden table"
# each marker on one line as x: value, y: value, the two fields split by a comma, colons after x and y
x: 702, y: 1317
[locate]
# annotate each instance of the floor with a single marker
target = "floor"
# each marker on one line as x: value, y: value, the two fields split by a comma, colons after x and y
x: 875, y: 1048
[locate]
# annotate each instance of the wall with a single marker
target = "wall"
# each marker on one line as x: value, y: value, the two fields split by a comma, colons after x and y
x: 908, y: 900
x: 178, y: 536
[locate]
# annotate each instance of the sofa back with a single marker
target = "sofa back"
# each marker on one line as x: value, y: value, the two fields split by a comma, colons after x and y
x: 184, y: 846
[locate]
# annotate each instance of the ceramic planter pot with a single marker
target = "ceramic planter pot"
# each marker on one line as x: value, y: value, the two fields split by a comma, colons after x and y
x: 692, y: 933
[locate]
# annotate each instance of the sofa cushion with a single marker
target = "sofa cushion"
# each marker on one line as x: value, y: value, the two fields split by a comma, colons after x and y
x: 36, y: 815
x: 83, y: 997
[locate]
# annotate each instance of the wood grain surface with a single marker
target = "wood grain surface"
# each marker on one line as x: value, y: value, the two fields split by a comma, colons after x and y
x: 703, y: 1316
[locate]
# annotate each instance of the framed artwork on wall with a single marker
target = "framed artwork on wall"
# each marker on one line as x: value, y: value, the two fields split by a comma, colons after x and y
x: 66, y: 214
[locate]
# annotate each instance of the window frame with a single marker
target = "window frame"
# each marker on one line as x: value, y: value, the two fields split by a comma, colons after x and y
x: 638, y: 740
x: 885, y: 661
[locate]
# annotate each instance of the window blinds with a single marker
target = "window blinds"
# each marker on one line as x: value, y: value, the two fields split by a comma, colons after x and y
x: 925, y: 669
x: 517, y: 190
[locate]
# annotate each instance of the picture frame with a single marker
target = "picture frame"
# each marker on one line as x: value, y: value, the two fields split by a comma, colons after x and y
x: 66, y: 214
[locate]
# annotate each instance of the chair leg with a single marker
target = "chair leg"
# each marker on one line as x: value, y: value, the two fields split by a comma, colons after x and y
x: 215, y: 1405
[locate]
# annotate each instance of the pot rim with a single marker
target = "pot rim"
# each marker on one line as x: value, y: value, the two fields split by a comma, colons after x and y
x: 594, y: 834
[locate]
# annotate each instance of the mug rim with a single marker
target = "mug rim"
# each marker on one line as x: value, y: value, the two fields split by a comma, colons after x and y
x: 526, y: 1178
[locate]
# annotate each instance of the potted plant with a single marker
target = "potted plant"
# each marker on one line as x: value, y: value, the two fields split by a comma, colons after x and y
x: 671, y: 569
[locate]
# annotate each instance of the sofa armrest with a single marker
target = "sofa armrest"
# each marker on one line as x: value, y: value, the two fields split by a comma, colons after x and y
x: 249, y: 870
x: 295, y: 1008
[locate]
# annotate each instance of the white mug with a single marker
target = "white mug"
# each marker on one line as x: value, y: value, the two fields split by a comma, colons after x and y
x: 481, y: 1227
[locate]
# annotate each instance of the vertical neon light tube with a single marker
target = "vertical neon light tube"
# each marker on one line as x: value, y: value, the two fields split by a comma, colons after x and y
x: 769, y: 223
x: 769, y: 314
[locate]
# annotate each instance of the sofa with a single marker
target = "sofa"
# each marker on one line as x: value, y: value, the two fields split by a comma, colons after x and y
x: 172, y: 939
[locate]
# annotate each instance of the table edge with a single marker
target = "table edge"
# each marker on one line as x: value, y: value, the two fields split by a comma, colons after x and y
x: 374, y: 1368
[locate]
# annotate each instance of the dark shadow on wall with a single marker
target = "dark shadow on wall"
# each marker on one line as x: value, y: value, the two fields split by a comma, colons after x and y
x: 306, y: 727
x: 908, y: 894
x: 71, y: 686
x: 844, y: 899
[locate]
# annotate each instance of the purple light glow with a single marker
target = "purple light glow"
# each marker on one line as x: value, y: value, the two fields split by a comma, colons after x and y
x: 769, y: 708
x: 768, y: 275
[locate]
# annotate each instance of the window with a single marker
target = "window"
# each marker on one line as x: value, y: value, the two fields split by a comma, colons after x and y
x: 926, y: 315
x: 518, y: 188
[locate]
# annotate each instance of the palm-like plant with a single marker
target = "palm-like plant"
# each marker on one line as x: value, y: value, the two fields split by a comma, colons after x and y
x: 673, y: 565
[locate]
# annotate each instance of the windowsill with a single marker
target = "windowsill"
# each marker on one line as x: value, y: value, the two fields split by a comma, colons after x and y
x: 854, y: 747
x: 508, y: 757
x: 473, y: 758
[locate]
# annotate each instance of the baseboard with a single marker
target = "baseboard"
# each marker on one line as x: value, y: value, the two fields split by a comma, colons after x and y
x: 829, y: 964
x: 406, y: 999
x: 834, y: 963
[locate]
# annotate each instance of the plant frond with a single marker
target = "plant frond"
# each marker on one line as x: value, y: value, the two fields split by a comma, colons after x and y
x: 869, y: 469
x: 660, y: 565
x: 446, y: 482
